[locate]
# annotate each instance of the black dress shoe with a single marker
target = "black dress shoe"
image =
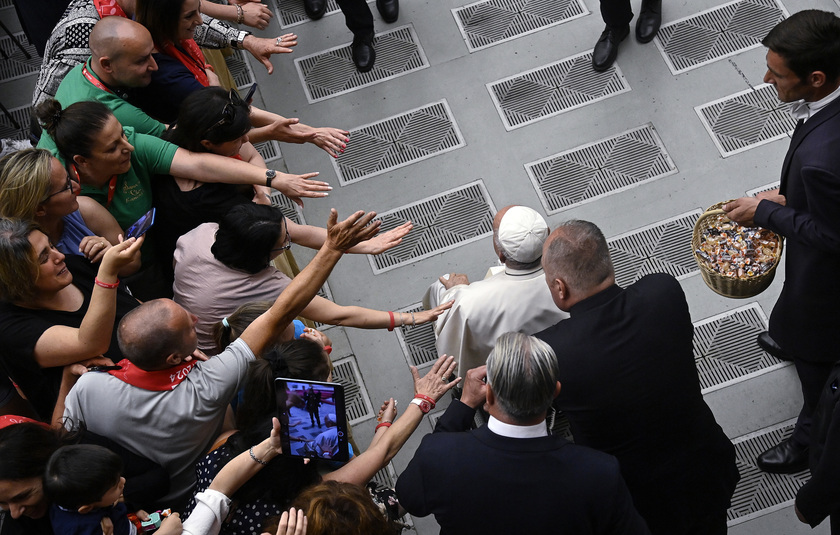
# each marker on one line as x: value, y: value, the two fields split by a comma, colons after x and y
x: 315, y: 9
x: 389, y: 9
x: 363, y: 53
x: 770, y: 345
x: 606, y: 49
x: 650, y: 18
x: 785, y: 458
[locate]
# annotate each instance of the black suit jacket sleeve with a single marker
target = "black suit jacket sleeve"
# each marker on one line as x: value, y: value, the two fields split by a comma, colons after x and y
x: 458, y: 417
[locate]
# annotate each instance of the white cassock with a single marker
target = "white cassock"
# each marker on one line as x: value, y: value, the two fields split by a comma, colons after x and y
x: 507, y: 300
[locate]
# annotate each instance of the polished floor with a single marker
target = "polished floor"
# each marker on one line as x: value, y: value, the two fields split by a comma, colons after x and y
x: 474, y: 107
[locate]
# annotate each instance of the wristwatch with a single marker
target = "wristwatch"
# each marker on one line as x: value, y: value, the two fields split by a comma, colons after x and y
x: 424, y: 405
x: 240, y: 39
x: 269, y: 176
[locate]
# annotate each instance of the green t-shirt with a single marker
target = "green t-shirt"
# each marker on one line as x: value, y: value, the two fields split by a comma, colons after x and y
x: 76, y: 88
x: 133, y: 196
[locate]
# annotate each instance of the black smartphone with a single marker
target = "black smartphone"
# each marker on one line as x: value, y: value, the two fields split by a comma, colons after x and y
x: 250, y: 96
x: 312, y: 418
x: 141, y: 225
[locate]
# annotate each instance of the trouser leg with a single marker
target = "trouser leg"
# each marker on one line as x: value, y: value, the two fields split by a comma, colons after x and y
x: 357, y: 16
x: 616, y: 13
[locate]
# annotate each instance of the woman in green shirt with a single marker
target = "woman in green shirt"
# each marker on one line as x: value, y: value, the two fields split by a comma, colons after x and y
x: 114, y: 164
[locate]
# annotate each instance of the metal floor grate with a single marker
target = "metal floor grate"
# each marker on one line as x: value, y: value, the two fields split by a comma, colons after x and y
x: 398, y: 141
x: 747, y: 119
x: 725, y: 349
x: 269, y: 150
x: 240, y: 69
x: 291, y: 12
x: 491, y: 22
x: 17, y: 65
x: 357, y: 401
x: 290, y: 209
x: 418, y: 343
x: 332, y: 72
x: 598, y: 169
x: 5, y: 3
x: 717, y: 33
x: 553, y: 89
x: 21, y: 115
x: 663, y: 247
x: 766, y: 187
x: 442, y: 222
x: 759, y: 493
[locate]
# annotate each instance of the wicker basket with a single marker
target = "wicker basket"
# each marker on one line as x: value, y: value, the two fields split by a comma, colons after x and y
x: 732, y: 287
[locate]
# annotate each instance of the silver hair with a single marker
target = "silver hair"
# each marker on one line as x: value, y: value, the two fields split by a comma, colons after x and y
x: 522, y: 371
x: 578, y: 253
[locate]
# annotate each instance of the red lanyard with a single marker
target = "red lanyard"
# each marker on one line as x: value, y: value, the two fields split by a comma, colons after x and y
x: 112, y: 184
x: 93, y: 80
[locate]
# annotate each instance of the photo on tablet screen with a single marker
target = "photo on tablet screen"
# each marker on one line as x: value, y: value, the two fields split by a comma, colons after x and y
x: 312, y: 418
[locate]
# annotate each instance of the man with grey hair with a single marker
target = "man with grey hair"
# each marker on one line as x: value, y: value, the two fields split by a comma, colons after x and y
x: 511, y: 297
x: 510, y: 476
x: 631, y: 387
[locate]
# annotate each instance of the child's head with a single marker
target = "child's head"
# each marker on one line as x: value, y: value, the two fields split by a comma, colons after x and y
x: 84, y: 477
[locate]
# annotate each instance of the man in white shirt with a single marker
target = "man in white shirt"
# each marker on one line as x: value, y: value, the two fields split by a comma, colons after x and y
x: 511, y: 298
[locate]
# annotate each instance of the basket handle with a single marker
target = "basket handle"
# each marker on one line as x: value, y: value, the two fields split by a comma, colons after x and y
x: 714, y: 212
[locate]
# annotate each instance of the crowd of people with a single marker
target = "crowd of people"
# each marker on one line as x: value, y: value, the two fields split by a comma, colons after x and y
x: 142, y: 372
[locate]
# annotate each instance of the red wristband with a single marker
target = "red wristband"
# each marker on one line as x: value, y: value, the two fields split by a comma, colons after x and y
x: 383, y: 424
x: 427, y: 398
x: 106, y: 285
x: 391, y: 324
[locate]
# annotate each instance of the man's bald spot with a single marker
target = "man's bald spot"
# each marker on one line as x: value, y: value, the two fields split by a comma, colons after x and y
x: 113, y: 35
x: 147, y: 320
x: 577, y: 252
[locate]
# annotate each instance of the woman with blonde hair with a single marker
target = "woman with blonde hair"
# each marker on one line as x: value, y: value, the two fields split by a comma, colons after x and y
x: 34, y: 186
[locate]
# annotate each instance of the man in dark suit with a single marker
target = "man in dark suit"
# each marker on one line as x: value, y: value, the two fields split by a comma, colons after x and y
x: 510, y: 476
x: 617, y: 15
x: 803, y: 63
x: 630, y: 386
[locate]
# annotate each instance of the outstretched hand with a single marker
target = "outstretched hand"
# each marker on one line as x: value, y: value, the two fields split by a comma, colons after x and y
x: 120, y: 255
x: 385, y: 240
x: 296, y: 186
x: 353, y: 230
x: 436, y: 383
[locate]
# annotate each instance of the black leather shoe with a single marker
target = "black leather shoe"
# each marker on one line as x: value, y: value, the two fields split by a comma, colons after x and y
x: 389, y: 9
x: 785, y: 458
x: 315, y: 9
x: 363, y: 53
x: 606, y: 49
x: 650, y: 18
x: 770, y: 345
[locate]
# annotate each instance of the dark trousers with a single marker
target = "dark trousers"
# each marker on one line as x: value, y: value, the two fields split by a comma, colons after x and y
x: 812, y: 376
x: 616, y: 13
x: 357, y: 16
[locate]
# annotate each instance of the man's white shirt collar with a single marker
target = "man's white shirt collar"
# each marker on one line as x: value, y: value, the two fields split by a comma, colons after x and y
x: 805, y: 110
x: 517, y: 431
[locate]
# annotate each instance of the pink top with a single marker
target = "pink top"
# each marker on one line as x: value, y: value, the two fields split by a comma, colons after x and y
x: 211, y: 290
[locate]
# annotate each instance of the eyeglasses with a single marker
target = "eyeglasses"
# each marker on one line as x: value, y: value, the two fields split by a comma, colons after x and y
x: 228, y: 112
x: 68, y: 186
x: 287, y: 245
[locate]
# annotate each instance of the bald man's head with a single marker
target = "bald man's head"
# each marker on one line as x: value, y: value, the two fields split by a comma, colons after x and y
x: 156, y: 330
x: 122, y: 52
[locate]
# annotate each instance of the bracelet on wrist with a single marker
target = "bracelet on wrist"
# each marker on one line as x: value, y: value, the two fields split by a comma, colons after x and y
x: 427, y: 398
x: 254, y: 457
x: 391, y: 323
x: 240, y: 14
x: 383, y: 424
x: 106, y: 285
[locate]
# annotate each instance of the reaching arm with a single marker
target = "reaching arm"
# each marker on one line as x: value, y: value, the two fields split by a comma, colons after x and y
x: 254, y: 14
x: 341, y: 236
x: 434, y: 385
x: 313, y: 237
x: 61, y: 345
x: 269, y: 125
x: 205, y: 167
x: 325, y: 311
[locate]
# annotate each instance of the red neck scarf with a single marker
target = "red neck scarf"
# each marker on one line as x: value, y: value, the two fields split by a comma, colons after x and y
x: 192, y: 60
x: 107, y: 8
x: 158, y: 381
x: 10, y: 419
